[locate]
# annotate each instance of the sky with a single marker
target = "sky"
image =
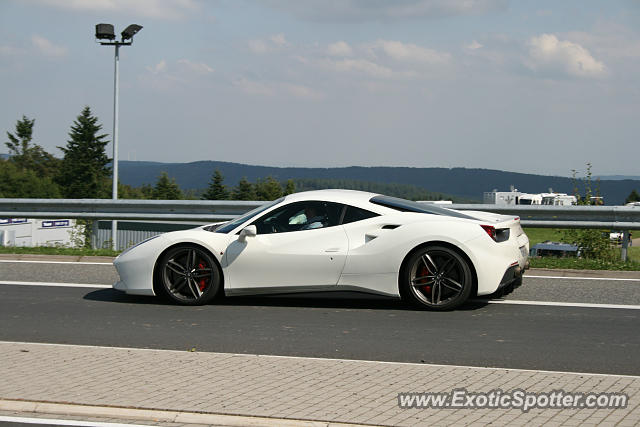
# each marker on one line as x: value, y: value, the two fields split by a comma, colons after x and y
x: 537, y: 87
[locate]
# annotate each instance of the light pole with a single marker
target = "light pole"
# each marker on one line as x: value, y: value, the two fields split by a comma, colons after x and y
x: 105, y: 32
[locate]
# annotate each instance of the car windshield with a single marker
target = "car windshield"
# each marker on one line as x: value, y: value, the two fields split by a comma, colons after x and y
x: 229, y: 226
x: 411, y: 206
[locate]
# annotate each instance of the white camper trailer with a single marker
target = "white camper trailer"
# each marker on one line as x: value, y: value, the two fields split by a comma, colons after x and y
x: 496, y: 197
x: 530, y: 199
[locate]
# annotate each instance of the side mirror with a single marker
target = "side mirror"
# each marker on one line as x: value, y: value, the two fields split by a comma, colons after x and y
x: 248, y: 231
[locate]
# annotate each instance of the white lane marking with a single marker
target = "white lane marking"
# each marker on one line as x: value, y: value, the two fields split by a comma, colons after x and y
x: 57, y: 262
x: 58, y: 284
x: 314, y: 358
x: 63, y: 422
x: 562, y: 304
x: 526, y: 276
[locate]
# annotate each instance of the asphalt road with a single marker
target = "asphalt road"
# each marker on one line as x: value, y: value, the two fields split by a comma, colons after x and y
x: 346, y: 326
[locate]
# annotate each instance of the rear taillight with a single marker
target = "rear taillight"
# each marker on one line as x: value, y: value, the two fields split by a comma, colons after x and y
x: 498, y: 235
x: 491, y: 230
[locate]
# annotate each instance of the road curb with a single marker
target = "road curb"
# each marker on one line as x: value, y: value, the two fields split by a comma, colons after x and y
x: 565, y: 272
x: 158, y: 415
x: 58, y: 258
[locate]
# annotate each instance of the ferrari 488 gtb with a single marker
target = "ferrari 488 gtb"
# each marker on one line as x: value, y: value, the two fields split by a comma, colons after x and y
x: 334, y: 240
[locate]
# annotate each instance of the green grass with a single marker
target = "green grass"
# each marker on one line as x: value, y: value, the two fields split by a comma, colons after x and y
x: 52, y: 250
x: 583, y: 264
x: 537, y: 235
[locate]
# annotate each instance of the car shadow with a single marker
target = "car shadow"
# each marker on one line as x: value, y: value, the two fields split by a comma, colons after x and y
x: 112, y: 295
x: 344, y: 300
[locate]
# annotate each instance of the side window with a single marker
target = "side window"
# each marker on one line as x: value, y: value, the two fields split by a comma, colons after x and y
x: 300, y: 216
x: 354, y: 214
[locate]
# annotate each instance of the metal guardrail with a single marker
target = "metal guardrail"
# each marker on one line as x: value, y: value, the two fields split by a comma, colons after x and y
x: 122, y: 209
x: 545, y: 216
x: 542, y: 216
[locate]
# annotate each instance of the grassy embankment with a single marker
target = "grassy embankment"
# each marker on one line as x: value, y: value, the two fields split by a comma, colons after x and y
x: 56, y: 250
x: 537, y: 235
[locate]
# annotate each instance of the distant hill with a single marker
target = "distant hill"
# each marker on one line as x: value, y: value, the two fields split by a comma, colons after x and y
x: 619, y: 177
x: 405, y: 191
x: 461, y: 182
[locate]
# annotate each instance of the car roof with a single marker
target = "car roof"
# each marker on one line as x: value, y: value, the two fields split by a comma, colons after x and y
x: 353, y: 197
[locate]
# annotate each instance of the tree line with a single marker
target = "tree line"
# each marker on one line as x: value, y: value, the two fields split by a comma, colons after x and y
x: 84, y: 171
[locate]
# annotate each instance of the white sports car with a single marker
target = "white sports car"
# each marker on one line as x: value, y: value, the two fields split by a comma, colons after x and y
x: 334, y: 240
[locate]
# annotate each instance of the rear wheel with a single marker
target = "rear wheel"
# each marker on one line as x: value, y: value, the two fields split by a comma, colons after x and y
x: 189, y: 275
x: 436, y: 278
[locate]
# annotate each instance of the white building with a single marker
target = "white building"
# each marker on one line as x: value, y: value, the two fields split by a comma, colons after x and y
x: 39, y: 232
x: 496, y: 197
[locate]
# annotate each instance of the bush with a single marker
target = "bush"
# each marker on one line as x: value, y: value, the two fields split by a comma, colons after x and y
x: 593, y: 244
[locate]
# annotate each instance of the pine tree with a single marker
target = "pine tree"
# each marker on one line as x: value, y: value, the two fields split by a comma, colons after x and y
x: 290, y: 187
x: 244, y: 190
x: 633, y: 197
x: 268, y: 189
x: 84, y: 173
x: 28, y: 156
x: 166, y: 188
x: 217, y: 190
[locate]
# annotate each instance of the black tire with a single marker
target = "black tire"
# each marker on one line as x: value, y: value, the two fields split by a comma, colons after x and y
x: 189, y: 275
x: 436, y: 278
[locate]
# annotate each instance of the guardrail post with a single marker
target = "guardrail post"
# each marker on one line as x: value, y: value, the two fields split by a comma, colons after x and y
x: 625, y: 245
x: 94, y: 234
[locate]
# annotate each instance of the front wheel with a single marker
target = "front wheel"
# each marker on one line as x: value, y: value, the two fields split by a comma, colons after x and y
x: 189, y: 275
x: 436, y: 278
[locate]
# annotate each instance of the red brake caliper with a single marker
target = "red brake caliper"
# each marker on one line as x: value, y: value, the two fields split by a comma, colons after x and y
x: 424, y: 272
x: 203, y: 281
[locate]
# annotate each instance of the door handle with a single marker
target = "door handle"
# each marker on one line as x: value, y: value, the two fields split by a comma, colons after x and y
x: 332, y: 250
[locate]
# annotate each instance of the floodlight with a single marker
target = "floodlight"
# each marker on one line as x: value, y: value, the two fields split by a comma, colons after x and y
x: 105, y: 32
x: 130, y: 31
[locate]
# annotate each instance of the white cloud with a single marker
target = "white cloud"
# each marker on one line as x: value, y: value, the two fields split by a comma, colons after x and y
x: 272, y: 43
x: 610, y: 40
x: 358, y: 65
x: 196, y: 67
x: 301, y: 91
x: 339, y: 48
x: 474, y: 45
x: 279, y: 40
x: 181, y: 73
x: 408, y: 52
x: 548, y: 54
x: 158, y: 68
x: 160, y: 9
x: 253, y: 87
x: 9, y: 50
x: 48, y: 48
x: 258, y: 46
